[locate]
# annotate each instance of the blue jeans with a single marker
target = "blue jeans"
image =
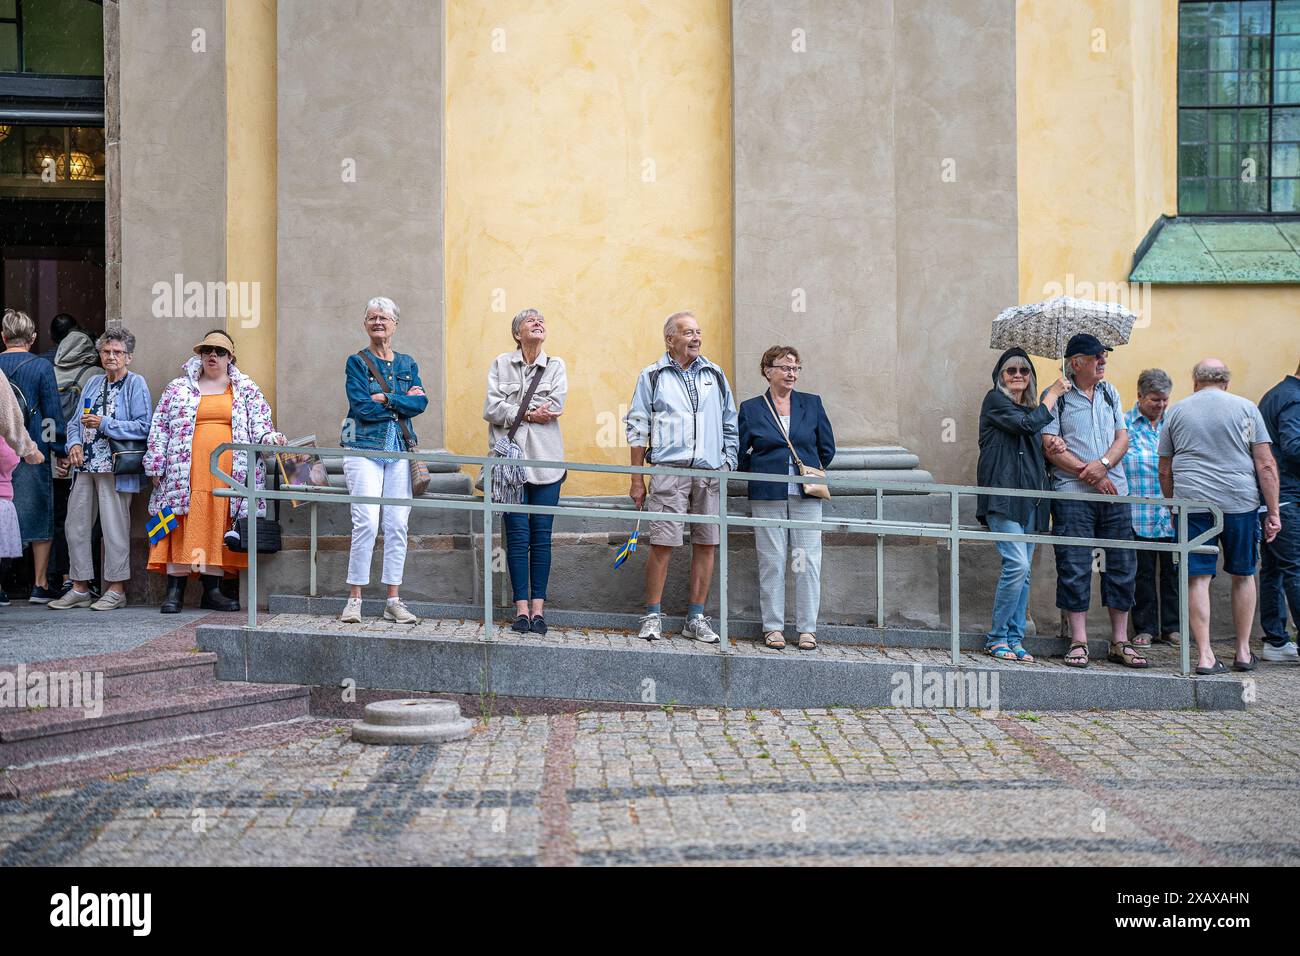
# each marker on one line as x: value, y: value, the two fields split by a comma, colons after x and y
x: 1011, y: 599
x: 1279, y: 577
x: 528, y: 542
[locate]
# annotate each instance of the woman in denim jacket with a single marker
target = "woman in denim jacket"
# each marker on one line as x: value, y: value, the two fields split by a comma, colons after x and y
x: 376, y: 413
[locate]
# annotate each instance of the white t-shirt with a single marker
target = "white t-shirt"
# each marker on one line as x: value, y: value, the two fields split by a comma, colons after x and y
x: 793, y: 489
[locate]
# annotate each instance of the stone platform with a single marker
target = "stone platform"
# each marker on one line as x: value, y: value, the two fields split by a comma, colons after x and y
x: 452, y: 656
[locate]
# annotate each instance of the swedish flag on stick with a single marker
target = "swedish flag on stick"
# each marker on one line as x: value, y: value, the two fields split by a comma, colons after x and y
x: 628, y: 548
x: 161, y: 525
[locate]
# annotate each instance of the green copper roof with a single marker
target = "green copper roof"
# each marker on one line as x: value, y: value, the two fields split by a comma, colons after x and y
x: 1218, y: 252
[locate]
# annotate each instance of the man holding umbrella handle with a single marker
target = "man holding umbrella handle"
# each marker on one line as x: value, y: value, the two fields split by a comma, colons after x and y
x: 1085, y: 442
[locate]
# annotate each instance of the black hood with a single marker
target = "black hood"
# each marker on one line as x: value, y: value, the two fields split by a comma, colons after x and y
x: 1009, y: 353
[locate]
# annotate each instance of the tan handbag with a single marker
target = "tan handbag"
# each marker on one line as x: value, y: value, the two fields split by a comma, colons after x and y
x: 817, y: 491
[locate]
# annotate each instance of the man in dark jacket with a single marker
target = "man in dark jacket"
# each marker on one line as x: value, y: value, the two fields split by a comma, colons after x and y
x: 1279, y: 571
x: 1011, y: 456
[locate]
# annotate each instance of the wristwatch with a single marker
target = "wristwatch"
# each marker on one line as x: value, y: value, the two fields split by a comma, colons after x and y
x: 1105, y: 461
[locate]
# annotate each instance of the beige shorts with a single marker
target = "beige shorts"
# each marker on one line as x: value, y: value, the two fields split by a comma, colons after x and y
x: 674, y: 495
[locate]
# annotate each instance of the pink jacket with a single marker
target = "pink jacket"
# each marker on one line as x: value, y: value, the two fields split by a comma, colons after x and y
x: 8, y: 462
x: 169, y: 451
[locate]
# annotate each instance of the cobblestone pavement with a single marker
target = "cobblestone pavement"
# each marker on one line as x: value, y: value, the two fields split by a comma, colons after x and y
x: 704, y: 787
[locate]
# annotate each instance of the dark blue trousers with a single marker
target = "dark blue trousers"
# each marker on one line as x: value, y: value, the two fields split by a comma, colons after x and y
x: 1075, y: 564
x: 528, y: 543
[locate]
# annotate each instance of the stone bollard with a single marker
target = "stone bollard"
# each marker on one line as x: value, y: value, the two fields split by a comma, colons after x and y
x: 427, y: 721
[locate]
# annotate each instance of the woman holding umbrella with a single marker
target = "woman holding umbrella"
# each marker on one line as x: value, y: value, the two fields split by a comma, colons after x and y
x: 1011, y: 456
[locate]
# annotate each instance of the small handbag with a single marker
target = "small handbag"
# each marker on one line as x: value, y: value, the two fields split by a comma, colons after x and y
x: 419, y: 469
x: 508, y: 480
x: 127, y: 455
x: 817, y: 491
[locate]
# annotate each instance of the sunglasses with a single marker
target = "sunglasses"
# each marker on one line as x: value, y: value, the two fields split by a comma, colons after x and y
x: 1016, y: 369
x: 210, y: 349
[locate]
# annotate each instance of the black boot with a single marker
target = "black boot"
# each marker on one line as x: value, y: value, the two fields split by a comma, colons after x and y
x: 175, y: 593
x: 213, y: 599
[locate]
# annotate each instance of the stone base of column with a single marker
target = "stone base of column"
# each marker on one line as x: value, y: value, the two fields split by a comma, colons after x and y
x: 865, y: 464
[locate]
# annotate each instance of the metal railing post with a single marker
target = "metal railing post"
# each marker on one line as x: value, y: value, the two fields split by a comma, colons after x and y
x: 1183, y: 616
x: 312, y: 554
x: 722, y: 564
x: 880, y: 562
x: 954, y: 579
x: 487, y: 551
x: 250, y: 487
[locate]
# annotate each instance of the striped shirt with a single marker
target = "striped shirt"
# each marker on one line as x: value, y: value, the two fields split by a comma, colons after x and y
x: 1088, y: 427
x: 1142, y: 468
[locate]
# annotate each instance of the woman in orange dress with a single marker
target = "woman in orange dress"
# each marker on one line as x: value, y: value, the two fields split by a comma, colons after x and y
x: 211, y: 403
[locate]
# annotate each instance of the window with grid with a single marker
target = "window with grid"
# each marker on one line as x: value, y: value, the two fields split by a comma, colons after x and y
x: 1239, y: 107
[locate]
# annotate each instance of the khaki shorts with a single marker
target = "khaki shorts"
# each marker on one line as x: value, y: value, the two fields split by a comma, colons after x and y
x: 674, y: 495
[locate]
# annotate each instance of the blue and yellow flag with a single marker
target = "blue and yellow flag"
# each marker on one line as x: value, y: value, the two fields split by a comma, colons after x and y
x: 628, y: 548
x: 160, y: 525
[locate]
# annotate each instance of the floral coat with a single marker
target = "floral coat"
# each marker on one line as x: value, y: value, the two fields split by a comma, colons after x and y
x: 171, y: 435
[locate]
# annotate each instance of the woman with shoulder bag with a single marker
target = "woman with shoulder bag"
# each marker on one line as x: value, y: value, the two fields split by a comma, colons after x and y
x: 786, y: 433
x: 384, y: 394
x: 525, y: 398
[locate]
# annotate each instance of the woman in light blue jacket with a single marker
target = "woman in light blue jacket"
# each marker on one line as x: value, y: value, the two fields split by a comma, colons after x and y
x: 114, y: 405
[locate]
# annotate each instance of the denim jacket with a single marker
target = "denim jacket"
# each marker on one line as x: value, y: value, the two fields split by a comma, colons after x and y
x: 369, y: 419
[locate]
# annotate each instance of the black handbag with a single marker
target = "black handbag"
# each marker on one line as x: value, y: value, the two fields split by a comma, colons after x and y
x: 269, y: 537
x: 127, y: 455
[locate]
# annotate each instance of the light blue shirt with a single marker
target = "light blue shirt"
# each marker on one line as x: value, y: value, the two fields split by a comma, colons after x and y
x: 1089, y: 427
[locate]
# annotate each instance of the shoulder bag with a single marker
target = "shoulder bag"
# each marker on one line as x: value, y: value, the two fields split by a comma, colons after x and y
x: 817, y: 491
x: 419, y: 469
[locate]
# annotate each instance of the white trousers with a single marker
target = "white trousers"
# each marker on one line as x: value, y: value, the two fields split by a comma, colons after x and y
x: 392, y: 480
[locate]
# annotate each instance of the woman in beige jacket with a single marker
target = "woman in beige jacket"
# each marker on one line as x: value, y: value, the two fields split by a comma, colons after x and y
x: 528, y: 536
x: 12, y: 427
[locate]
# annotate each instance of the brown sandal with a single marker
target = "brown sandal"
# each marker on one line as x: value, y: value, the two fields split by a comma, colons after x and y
x: 807, y: 642
x: 1078, y: 660
x: 774, y: 639
x: 1127, y: 655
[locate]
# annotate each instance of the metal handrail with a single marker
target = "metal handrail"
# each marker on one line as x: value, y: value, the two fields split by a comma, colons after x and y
x: 952, y: 530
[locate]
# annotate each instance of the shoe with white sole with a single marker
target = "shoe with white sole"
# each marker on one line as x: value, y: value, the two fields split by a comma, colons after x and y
x: 396, y: 612
x: 111, y: 601
x: 73, y: 598
x: 351, y: 611
x: 652, y: 627
x: 1286, y: 654
x: 698, y: 628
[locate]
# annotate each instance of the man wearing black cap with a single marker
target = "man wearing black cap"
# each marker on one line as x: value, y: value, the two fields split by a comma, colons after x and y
x: 1085, y: 441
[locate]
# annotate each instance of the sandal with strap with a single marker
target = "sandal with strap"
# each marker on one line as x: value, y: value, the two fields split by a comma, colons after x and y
x: 1001, y: 651
x: 807, y: 642
x: 774, y: 639
x: 1022, y: 655
x: 1079, y: 660
x: 1127, y: 655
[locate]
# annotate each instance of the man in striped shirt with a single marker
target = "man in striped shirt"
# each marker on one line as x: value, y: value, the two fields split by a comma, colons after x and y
x: 1086, y: 441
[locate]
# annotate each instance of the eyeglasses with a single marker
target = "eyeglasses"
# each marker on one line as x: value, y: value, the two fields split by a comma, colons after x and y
x: 788, y: 369
x: 112, y: 353
x: 1016, y: 370
x: 381, y: 319
x: 210, y: 349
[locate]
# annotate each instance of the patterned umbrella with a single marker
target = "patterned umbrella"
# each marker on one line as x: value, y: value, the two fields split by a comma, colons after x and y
x: 1044, y: 328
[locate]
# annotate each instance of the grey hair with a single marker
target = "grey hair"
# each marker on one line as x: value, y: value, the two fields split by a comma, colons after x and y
x: 1211, y: 374
x: 670, y: 323
x: 384, y: 304
x: 1154, y: 380
x: 1029, y: 398
x: 18, y: 327
x: 117, y: 334
x: 521, y: 318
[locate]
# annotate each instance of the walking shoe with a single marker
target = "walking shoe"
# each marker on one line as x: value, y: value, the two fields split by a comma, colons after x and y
x: 111, y: 601
x: 538, y: 625
x: 73, y: 598
x: 42, y: 595
x: 1284, y: 654
x: 698, y: 628
x: 396, y: 612
x: 652, y: 627
x: 521, y: 625
x: 351, y: 611
x: 4, y: 599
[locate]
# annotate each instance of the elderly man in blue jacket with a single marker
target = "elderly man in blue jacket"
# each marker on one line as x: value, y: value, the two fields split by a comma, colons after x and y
x: 682, y: 415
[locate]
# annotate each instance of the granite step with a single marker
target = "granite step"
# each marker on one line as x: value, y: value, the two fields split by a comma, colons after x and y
x: 34, y: 735
x: 134, y: 672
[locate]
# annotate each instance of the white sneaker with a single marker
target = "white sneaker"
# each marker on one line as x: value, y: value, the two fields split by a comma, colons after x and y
x: 1285, y: 654
x: 73, y: 598
x: 396, y: 612
x: 698, y: 628
x: 351, y: 611
x: 111, y: 601
x: 652, y: 627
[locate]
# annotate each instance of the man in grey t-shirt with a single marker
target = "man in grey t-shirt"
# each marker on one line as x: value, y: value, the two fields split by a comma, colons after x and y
x: 1214, y: 447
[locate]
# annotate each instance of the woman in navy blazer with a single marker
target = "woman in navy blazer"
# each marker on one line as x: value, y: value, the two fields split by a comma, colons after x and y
x: 763, y: 448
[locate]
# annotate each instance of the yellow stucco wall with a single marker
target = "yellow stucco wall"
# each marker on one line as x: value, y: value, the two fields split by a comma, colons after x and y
x: 588, y: 175
x: 1097, y: 163
x: 251, y: 139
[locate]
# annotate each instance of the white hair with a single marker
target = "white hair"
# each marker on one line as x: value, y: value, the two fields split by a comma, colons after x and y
x: 670, y: 323
x: 384, y: 304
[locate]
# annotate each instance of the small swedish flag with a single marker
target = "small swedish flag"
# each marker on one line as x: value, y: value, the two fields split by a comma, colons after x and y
x: 161, y: 525
x: 628, y: 548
